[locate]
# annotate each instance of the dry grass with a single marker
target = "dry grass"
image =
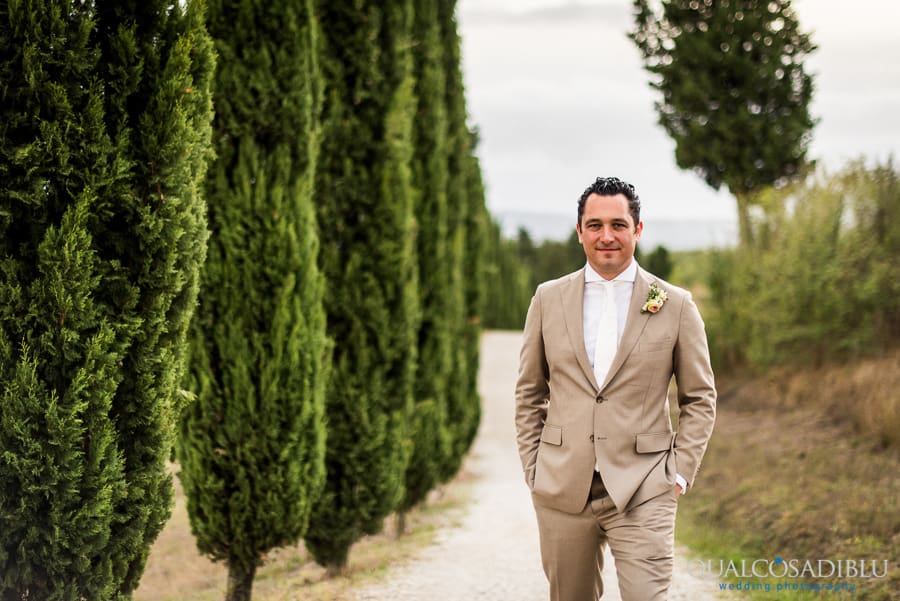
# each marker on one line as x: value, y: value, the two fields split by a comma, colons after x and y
x: 804, y: 465
x: 177, y: 572
x: 864, y: 394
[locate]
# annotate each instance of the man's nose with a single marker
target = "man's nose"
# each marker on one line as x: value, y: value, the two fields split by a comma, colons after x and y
x: 606, y: 234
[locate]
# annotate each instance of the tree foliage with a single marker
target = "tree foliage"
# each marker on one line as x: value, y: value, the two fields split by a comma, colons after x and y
x: 252, y: 445
x: 429, y: 436
x: 507, y: 297
x: 365, y: 205
x: 658, y: 262
x: 104, y: 141
x: 734, y: 93
x: 466, y: 216
x: 789, y: 301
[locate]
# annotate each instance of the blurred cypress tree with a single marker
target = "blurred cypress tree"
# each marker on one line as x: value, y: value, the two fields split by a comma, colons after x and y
x: 658, y: 262
x: 366, y: 220
x: 466, y: 213
x: 506, y: 299
x: 430, y: 441
x: 735, y: 95
x: 554, y: 258
x: 252, y: 445
x: 104, y: 142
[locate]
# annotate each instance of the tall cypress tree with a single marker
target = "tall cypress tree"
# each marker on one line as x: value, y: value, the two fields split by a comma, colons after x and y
x: 734, y: 92
x: 474, y: 277
x: 430, y: 441
x: 104, y: 141
x: 252, y: 445
x: 464, y: 257
x: 366, y: 218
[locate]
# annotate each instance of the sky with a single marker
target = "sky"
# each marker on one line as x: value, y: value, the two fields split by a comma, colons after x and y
x: 559, y: 95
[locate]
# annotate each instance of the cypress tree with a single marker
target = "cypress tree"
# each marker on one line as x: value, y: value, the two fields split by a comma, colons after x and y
x: 505, y: 301
x: 474, y: 278
x: 365, y: 212
x: 465, y: 251
x: 252, y: 444
x: 104, y: 141
x: 734, y: 92
x: 659, y: 262
x: 430, y: 441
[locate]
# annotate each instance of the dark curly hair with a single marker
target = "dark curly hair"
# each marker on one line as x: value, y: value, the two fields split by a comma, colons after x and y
x: 610, y: 186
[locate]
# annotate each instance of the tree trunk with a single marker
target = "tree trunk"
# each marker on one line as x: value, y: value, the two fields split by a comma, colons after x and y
x: 333, y: 570
x: 401, y: 524
x: 745, y: 227
x: 240, y: 582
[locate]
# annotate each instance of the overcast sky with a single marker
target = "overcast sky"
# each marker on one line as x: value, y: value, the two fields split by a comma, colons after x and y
x: 560, y: 97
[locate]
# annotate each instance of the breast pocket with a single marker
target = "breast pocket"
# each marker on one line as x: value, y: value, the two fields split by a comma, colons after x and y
x: 655, y: 346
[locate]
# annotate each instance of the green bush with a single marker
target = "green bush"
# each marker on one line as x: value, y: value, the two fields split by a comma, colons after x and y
x: 818, y: 284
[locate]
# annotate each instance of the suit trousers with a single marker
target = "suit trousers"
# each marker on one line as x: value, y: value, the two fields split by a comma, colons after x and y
x: 641, y: 540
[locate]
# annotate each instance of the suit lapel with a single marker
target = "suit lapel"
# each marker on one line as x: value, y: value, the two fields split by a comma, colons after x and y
x: 634, y: 323
x: 573, y: 308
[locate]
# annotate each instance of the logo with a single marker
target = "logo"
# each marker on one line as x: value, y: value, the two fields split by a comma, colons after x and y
x: 788, y: 568
x: 794, y: 574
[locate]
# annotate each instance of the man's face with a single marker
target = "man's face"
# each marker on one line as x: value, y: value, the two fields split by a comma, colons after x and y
x: 608, y: 234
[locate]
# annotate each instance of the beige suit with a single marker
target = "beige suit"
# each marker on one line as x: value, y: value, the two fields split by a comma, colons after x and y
x: 567, y: 422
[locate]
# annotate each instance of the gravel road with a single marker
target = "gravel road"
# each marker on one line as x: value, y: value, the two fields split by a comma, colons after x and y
x: 493, y: 554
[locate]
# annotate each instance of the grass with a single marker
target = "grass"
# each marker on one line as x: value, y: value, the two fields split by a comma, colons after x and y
x: 865, y: 393
x: 789, y: 474
x: 177, y: 572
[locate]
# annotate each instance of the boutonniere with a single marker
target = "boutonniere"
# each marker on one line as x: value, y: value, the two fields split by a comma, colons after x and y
x: 656, y: 298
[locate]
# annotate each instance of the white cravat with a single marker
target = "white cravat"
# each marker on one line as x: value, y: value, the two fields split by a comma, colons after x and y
x: 595, y: 301
x: 607, y: 333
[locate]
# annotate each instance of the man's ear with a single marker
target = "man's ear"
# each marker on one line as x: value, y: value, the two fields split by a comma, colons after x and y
x: 578, y: 231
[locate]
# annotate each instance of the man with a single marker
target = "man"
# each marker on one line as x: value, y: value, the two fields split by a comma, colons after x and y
x: 592, y: 413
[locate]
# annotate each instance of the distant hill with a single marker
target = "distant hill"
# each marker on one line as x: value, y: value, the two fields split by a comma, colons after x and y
x: 674, y: 234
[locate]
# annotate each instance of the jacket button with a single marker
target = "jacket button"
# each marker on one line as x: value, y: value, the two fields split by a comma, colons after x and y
x: 592, y: 438
x: 600, y: 398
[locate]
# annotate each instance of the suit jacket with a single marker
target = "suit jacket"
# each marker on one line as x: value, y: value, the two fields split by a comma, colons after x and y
x: 566, y: 422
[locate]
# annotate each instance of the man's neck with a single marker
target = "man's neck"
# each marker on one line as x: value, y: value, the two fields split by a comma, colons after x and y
x: 631, y: 266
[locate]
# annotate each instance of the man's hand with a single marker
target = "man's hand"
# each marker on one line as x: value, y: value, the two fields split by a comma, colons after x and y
x: 678, y: 491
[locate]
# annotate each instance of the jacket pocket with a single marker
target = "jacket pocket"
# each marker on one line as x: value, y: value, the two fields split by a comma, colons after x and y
x: 650, y: 346
x: 654, y: 442
x: 552, y: 435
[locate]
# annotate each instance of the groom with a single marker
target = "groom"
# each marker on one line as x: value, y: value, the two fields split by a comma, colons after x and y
x: 592, y: 413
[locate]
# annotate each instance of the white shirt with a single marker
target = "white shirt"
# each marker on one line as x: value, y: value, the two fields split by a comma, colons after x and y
x: 595, y: 304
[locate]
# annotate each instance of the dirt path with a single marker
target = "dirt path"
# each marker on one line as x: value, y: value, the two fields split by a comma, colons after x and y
x: 493, y: 555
